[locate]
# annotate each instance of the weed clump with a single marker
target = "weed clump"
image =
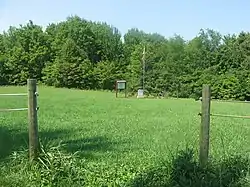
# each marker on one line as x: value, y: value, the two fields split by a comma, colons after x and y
x: 56, y: 168
x: 185, y: 171
x: 52, y: 168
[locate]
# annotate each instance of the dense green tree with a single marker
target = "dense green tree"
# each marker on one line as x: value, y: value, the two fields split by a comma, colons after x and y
x: 77, y: 53
x: 26, y: 52
x: 3, y: 70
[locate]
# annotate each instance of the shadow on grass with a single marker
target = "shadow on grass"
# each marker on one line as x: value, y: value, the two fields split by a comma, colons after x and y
x: 185, y: 171
x: 14, y: 140
x: 87, y: 147
x: 10, y: 140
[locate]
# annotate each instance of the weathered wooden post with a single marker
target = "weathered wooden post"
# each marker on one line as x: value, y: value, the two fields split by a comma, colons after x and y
x: 205, y: 125
x: 32, y: 118
x: 126, y: 90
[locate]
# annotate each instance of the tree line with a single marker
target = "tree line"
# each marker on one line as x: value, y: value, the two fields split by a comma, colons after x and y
x: 77, y: 53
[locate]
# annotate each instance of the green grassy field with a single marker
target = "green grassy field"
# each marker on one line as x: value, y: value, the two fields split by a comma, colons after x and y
x: 126, y: 134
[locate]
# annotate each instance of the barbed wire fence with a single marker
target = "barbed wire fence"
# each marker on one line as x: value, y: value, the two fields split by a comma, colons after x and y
x: 32, y: 109
x: 205, y: 122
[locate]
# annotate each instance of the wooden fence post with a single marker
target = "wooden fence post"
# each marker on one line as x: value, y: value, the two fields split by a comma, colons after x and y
x: 205, y: 125
x: 32, y: 118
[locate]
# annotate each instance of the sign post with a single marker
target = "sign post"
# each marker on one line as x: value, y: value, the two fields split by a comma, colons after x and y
x: 121, y: 85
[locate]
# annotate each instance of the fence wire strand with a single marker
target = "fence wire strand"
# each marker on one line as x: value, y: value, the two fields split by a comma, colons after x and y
x: 228, y: 116
x: 228, y: 101
x: 12, y: 109
x: 16, y: 94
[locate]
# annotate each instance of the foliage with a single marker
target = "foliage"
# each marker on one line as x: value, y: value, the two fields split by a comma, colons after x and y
x: 185, y: 171
x: 52, y: 168
x: 77, y: 53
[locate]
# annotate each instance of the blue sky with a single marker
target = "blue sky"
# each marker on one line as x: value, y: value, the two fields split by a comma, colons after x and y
x: 166, y: 17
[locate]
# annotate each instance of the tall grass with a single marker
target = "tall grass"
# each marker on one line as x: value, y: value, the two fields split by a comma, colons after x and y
x: 119, y: 142
x: 57, y: 168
